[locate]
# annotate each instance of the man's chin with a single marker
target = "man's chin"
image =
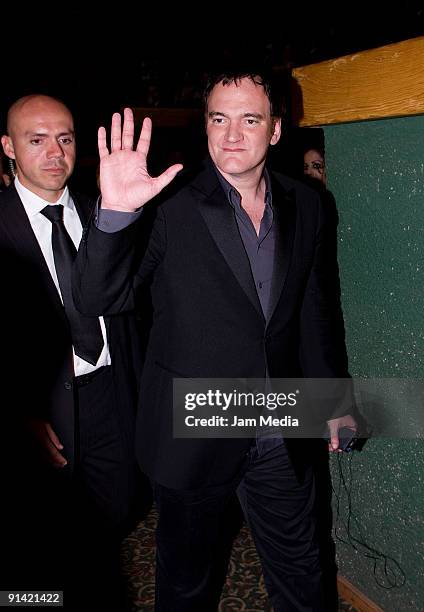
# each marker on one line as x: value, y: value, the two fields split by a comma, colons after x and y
x: 56, y: 181
x: 232, y: 167
x: 54, y: 185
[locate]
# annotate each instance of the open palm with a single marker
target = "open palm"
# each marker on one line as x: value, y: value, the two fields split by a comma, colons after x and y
x: 125, y: 182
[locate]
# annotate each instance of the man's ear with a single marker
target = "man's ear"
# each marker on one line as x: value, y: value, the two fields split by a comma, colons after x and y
x: 7, y: 143
x: 276, y: 131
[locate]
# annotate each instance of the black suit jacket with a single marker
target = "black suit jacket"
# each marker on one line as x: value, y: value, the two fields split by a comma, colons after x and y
x: 207, y: 319
x: 37, y: 365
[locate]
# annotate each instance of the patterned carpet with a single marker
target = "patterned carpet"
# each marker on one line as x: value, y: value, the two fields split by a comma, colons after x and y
x: 244, y: 589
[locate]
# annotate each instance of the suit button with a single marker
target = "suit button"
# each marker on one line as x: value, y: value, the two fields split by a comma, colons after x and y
x: 68, y: 385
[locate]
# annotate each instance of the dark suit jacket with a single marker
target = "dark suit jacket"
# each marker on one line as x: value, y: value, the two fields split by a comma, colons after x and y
x: 37, y: 365
x: 207, y: 318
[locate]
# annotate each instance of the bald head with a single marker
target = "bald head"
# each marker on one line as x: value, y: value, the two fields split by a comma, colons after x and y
x: 41, y: 140
x: 32, y: 104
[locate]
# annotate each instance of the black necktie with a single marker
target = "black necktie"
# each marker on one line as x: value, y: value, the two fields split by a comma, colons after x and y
x: 86, y: 333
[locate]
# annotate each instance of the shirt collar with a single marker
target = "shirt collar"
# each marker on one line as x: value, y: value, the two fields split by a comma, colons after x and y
x: 33, y: 204
x: 233, y: 195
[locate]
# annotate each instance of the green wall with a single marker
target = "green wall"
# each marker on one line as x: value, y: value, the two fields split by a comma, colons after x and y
x: 376, y: 173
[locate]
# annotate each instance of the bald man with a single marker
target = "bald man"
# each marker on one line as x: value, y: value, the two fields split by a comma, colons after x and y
x: 69, y: 438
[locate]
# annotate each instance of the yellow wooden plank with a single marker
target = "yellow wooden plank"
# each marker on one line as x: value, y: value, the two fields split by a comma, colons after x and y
x: 383, y: 82
x: 352, y: 595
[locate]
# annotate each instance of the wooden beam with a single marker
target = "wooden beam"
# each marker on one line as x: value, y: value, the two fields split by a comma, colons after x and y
x: 352, y: 595
x: 383, y: 82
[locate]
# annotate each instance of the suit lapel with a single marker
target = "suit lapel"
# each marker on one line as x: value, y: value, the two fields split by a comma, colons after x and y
x: 18, y: 227
x: 222, y: 225
x: 284, y: 207
x: 84, y: 207
x: 220, y: 220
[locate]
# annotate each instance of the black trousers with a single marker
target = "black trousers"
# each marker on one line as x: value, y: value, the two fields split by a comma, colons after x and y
x: 66, y: 530
x: 104, y: 496
x: 280, y: 513
x: 105, y: 477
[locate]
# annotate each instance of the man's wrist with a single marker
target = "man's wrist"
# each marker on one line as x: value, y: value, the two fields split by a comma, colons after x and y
x: 112, y: 206
x: 110, y: 221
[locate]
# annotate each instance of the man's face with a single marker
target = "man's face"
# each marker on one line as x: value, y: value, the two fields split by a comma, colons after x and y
x: 240, y: 127
x: 41, y: 140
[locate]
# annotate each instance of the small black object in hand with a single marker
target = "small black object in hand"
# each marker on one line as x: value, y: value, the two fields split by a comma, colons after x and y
x: 347, y: 439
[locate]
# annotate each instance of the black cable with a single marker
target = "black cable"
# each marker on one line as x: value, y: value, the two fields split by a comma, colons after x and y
x: 394, y: 576
x: 12, y: 167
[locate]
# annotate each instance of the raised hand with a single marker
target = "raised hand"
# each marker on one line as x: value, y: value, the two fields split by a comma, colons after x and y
x: 125, y: 183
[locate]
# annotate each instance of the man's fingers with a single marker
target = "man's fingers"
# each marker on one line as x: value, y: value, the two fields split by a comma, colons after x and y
x: 145, y: 136
x: 54, y: 457
x: 48, y: 443
x: 334, y: 436
x: 53, y: 437
x: 52, y: 448
x: 128, y: 130
x: 166, y: 177
x: 115, y: 133
x: 334, y: 427
x: 334, y: 442
x: 101, y: 143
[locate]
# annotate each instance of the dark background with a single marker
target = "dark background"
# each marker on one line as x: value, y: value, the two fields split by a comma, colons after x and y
x: 142, y: 59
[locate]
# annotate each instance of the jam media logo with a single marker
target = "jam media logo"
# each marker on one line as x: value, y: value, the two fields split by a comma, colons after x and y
x: 265, y: 421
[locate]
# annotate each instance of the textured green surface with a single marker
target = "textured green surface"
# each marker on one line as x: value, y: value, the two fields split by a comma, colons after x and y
x: 376, y: 173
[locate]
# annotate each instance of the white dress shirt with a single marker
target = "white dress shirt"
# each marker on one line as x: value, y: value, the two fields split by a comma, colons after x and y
x: 42, y: 229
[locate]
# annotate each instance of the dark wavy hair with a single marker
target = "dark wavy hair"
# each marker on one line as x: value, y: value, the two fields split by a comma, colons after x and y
x: 226, y: 78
